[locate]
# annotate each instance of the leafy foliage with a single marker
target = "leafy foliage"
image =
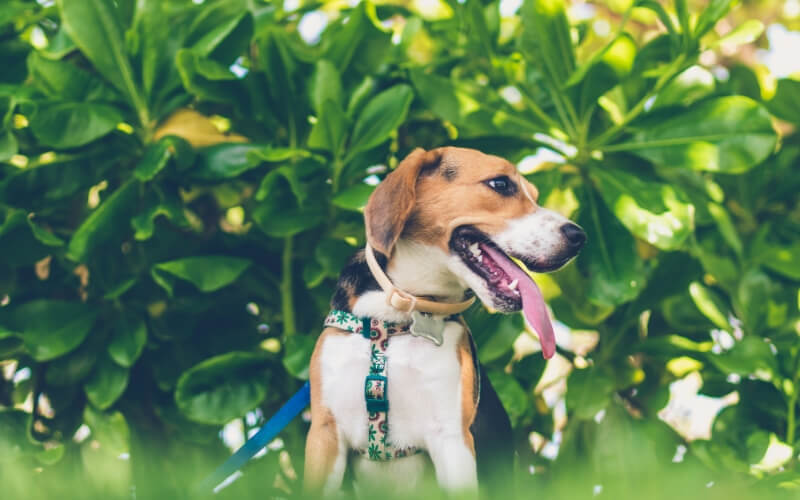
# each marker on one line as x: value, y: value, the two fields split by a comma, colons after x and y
x: 180, y: 184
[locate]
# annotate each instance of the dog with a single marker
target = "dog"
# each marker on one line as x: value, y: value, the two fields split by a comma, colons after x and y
x: 441, y: 229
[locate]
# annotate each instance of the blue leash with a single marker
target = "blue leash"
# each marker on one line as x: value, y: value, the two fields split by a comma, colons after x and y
x: 267, y: 433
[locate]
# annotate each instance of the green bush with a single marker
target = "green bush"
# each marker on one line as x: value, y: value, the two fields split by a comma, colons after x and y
x: 181, y: 182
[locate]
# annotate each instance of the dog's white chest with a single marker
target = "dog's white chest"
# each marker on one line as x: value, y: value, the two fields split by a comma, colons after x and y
x: 424, y: 387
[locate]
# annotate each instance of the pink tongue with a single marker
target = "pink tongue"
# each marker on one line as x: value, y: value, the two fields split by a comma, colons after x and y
x: 532, y: 301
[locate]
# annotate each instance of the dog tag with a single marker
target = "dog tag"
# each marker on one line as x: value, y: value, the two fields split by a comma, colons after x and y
x: 427, y: 326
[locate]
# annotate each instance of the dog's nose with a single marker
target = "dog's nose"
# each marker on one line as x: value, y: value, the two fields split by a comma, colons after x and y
x: 574, y: 235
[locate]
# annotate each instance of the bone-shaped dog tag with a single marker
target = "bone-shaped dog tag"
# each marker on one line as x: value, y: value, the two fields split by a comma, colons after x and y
x: 427, y: 326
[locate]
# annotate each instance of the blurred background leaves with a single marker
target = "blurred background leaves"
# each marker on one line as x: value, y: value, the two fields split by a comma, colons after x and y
x: 181, y: 182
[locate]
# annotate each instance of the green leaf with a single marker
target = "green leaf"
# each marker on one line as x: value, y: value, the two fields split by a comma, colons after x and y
x: 681, y: 313
x: 750, y: 356
x: 672, y: 346
x: 574, y: 306
x: 194, y: 64
x: 326, y: 85
x: 220, y: 27
x: 612, y: 65
x: 514, y: 398
x: 662, y: 14
x: 786, y: 102
x: 8, y: 145
x: 710, y: 304
x: 682, y: 11
x: 155, y: 42
x: 72, y: 368
x: 380, y: 117
x: 271, y: 154
x: 494, y: 333
x: 710, y: 14
x: 100, y: 455
x: 358, y: 42
x: 588, y: 391
x: 106, y: 383
x: 475, y: 109
x: 652, y: 211
x: 529, y: 370
x: 354, y: 197
x: 208, y: 273
x: 747, y: 32
x: 726, y: 134
x: 154, y: 160
x: 726, y: 227
x: 783, y: 260
x: 298, y: 202
x: 128, y: 341
x: 546, y: 38
x: 50, y: 328
x: 296, y: 176
x: 71, y: 124
x: 108, y: 222
x: 96, y: 29
x: 65, y: 81
x: 110, y: 429
x: 51, y: 455
x: 477, y: 29
x: 46, y: 237
x: 298, y: 349
x: 290, y: 174
x: 618, y: 54
x: 616, y: 272
x: 691, y: 85
x: 224, y: 161
x: 329, y: 131
x: 744, y: 81
x: 14, y: 441
x: 169, y: 206
x: 119, y: 290
x: 222, y: 388
x: 332, y: 255
x: 752, y: 299
x: 313, y: 274
x: 59, y: 45
x: 206, y: 78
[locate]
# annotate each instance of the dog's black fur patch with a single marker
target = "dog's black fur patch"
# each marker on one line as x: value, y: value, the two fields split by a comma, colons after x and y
x: 355, y: 279
x: 449, y: 173
x: 494, y: 441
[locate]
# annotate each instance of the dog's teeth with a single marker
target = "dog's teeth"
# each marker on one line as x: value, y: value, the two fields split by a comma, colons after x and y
x: 513, y: 284
x: 475, y: 250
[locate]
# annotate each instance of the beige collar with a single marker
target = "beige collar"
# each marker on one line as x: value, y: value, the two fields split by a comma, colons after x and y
x: 404, y: 301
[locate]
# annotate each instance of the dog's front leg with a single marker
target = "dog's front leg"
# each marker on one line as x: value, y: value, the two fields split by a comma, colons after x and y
x: 454, y: 462
x: 326, y: 456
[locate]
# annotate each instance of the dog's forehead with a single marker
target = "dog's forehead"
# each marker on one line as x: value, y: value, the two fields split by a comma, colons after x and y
x: 472, y: 162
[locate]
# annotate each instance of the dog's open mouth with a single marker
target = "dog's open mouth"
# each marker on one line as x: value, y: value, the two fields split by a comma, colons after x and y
x: 509, y: 284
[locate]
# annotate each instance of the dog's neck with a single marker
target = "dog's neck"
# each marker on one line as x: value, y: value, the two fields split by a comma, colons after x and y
x: 422, y: 270
x: 418, y: 269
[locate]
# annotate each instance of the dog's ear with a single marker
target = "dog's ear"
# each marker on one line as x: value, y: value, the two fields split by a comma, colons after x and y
x: 393, y: 200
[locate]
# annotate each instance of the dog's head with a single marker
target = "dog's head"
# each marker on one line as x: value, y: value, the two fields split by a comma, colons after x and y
x: 480, y: 212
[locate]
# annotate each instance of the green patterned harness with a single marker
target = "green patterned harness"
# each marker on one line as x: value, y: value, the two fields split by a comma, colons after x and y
x: 375, y: 384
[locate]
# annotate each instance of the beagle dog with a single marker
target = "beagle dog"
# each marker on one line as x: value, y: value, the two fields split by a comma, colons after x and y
x: 441, y: 228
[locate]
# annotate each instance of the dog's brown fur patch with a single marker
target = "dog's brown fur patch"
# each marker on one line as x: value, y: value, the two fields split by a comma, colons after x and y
x: 469, y: 396
x: 422, y: 207
x: 390, y: 205
x: 322, y: 442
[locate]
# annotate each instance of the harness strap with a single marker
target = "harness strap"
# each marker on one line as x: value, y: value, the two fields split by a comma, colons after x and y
x: 376, y: 382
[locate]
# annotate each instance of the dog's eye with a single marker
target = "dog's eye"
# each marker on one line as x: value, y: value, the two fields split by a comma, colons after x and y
x: 503, y: 185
